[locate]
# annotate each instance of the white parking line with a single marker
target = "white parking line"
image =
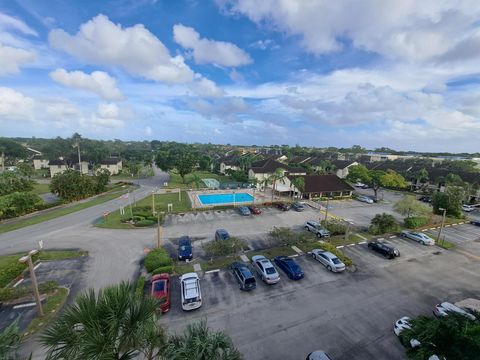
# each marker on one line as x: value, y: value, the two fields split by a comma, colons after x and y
x: 24, y: 305
x: 431, y: 228
x: 244, y: 258
x: 362, y: 242
x: 393, y: 236
x: 197, y: 267
x: 297, y: 250
x: 212, y: 271
x: 340, y: 247
x: 292, y: 256
x: 36, y: 266
x: 18, y: 283
x: 360, y: 236
x: 351, y: 245
x: 381, y: 239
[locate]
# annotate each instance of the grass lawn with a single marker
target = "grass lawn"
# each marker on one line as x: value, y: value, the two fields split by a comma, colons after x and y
x: 10, y: 268
x: 218, y: 263
x: 272, y: 252
x: 55, y: 213
x: 52, y: 305
x: 181, y: 268
x: 161, y: 204
x: 176, y: 180
x: 445, y: 244
x: 41, y: 188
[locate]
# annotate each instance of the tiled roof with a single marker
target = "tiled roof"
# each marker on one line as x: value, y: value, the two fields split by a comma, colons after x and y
x: 269, y: 166
x: 110, y: 161
x: 323, y: 183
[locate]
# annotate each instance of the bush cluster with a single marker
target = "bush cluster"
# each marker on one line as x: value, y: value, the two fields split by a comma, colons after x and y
x: 157, y: 258
x: 140, y: 285
x: 331, y: 248
x: 415, y: 222
x: 283, y: 235
x: 163, y: 269
x: 224, y: 247
x: 9, y: 294
x: 383, y: 224
x: 334, y: 227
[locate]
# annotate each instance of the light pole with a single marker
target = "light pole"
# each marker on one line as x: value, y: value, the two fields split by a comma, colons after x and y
x: 159, y: 230
x: 153, y: 202
x: 326, y: 209
x: 443, y: 223
x: 28, y: 259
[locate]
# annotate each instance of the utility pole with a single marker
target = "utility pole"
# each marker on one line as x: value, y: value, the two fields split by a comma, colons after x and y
x: 77, y: 145
x: 28, y: 259
x: 326, y: 209
x: 153, y: 202
x: 443, y: 223
x: 159, y: 231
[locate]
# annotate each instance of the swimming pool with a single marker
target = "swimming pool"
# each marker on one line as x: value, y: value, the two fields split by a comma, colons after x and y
x: 215, y: 199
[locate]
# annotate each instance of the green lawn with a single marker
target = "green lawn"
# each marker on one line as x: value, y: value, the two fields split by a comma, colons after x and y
x: 41, y: 188
x: 55, y: 213
x: 10, y: 268
x: 176, y: 180
x: 272, y: 252
x: 52, y: 305
x: 161, y: 204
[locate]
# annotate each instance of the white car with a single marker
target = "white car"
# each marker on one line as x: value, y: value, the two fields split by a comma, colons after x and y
x: 331, y: 261
x: 402, y: 324
x: 265, y: 269
x: 191, y: 292
x: 365, y: 199
x: 468, y: 208
x: 418, y: 236
x: 445, y: 308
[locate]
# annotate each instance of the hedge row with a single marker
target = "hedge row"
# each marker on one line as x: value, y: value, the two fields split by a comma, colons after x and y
x: 8, y: 294
x: 163, y: 269
x: 415, y: 222
x: 157, y: 258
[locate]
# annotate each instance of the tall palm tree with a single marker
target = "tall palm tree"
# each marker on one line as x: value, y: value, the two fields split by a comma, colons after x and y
x: 9, y: 342
x: 198, y: 342
x: 116, y: 323
x: 278, y: 175
x: 299, y: 184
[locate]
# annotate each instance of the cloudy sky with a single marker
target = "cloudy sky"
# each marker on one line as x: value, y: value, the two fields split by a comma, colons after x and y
x: 398, y: 73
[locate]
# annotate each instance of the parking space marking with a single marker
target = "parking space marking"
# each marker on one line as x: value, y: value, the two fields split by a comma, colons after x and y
x: 18, y: 283
x: 362, y: 242
x: 197, y: 267
x: 467, y: 254
x: 212, y: 271
x: 24, y: 305
x: 37, y: 266
x: 297, y: 250
x: 244, y: 258
x: 360, y: 236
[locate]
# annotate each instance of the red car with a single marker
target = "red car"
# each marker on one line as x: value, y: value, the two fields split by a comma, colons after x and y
x: 283, y: 206
x: 161, y: 290
x: 254, y: 210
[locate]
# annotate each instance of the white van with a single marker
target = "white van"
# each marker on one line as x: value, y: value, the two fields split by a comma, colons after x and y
x: 191, y: 293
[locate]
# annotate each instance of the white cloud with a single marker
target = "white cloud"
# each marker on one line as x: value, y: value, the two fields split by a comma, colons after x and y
x: 12, y: 23
x: 412, y: 30
x: 135, y: 49
x: 14, y: 106
x: 107, y: 117
x: 204, y: 87
x: 11, y: 59
x: 206, y: 51
x: 148, y: 131
x: 227, y: 109
x: 97, y: 82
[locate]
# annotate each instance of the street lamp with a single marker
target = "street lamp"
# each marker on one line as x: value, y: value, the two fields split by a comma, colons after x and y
x: 443, y: 223
x: 28, y: 259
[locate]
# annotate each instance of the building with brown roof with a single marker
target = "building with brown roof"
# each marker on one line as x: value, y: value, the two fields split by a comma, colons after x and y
x: 329, y: 185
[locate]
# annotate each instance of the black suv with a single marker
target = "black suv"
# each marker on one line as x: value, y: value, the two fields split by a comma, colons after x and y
x: 244, y: 276
x: 384, y: 248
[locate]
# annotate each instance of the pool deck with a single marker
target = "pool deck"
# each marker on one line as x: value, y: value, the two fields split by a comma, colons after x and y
x: 197, y: 204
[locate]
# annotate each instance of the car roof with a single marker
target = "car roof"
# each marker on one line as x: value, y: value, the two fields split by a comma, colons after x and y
x: 326, y: 253
x: 189, y: 275
x: 184, y: 239
x: 222, y: 231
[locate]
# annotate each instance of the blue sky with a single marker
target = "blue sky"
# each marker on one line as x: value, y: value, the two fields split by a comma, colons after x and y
x: 400, y: 74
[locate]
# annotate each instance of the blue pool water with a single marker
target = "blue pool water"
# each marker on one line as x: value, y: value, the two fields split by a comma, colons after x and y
x: 215, y: 199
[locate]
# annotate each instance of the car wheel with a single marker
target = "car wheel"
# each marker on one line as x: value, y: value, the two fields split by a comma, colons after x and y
x: 306, y: 228
x: 329, y: 268
x: 314, y: 256
x: 319, y: 235
x: 403, y: 235
x: 422, y: 242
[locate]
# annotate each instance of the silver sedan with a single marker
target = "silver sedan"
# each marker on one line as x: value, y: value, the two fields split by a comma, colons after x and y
x: 418, y: 236
x: 329, y: 260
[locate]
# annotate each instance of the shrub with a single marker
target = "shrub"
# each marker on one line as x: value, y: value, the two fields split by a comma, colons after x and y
x: 18, y: 203
x: 138, y: 218
x: 288, y: 237
x: 140, y: 285
x: 224, y: 247
x: 10, y: 272
x: 145, y: 222
x: 415, y: 222
x: 9, y: 294
x: 331, y: 248
x: 383, y: 223
x: 163, y: 269
x: 334, y: 227
x: 157, y: 258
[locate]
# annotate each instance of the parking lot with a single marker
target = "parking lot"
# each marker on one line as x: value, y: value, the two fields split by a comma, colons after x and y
x: 466, y: 237
x: 350, y: 314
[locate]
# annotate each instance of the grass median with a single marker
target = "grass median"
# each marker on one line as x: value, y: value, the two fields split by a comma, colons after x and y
x: 58, y: 212
x: 113, y: 220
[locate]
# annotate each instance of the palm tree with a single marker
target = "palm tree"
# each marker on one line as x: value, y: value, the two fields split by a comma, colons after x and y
x: 278, y: 175
x: 195, y: 179
x: 116, y: 323
x: 299, y: 184
x: 9, y: 342
x: 198, y: 342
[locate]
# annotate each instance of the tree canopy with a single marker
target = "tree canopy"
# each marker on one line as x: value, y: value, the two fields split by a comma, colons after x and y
x: 409, y: 206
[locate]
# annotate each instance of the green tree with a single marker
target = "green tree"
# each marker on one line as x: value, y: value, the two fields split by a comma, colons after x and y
x: 102, y: 178
x: 10, y: 150
x: 185, y: 161
x: 26, y: 170
x: 198, y: 342
x: 196, y: 180
x: 205, y: 162
x: 277, y: 176
x: 115, y: 323
x: 393, y: 180
x: 72, y: 185
x: 164, y: 160
x: 383, y: 223
x: 299, y: 183
x: 409, y: 206
x: 9, y: 342
x: 18, y: 203
x: 11, y: 182
x: 451, y: 337
x: 376, y: 178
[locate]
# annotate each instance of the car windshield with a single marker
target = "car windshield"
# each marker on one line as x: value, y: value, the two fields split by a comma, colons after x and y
x: 184, y: 247
x: 250, y: 281
x: 159, y: 286
x: 336, y: 261
x: 270, y: 270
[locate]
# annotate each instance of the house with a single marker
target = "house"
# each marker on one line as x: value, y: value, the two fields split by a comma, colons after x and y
x: 229, y: 162
x: 39, y: 163
x: 263, y: 169
x: 340, y: 167
x: 60, y: 165
x: 300, y: 159
x: 329, y: 185
x: 112, y: 164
